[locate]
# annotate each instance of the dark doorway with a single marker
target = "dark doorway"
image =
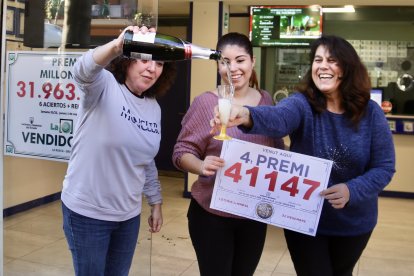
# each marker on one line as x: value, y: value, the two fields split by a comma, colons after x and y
x: 173, y: 107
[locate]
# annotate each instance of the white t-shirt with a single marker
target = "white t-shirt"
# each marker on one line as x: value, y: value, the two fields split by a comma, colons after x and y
x: 116, y: 138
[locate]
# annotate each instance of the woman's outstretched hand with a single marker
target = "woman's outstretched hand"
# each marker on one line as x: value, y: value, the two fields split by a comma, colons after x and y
x: 104, y: 54
x: 135, y: 29
x: 239, y: 115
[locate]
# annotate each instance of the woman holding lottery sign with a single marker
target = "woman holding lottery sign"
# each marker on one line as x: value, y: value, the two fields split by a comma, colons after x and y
x: 225, y: 244
x: 332, y: 117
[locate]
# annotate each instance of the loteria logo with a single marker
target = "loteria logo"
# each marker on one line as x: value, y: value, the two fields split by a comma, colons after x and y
x: 65, y: 126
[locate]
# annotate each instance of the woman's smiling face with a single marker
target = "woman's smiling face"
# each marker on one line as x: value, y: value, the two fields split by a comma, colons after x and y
x: 326, y: 72
x: 241, y: 66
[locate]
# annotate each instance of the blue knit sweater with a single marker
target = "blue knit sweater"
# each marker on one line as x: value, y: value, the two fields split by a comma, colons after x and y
x: 364, y: 159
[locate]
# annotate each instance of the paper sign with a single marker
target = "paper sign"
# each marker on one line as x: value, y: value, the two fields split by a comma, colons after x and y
x: 270, y: 185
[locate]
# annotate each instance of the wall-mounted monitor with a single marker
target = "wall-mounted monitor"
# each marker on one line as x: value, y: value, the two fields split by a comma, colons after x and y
x: 285, y: 25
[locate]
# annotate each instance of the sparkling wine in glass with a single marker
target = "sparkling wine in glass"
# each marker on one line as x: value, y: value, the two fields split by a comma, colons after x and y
x: 225, y: 97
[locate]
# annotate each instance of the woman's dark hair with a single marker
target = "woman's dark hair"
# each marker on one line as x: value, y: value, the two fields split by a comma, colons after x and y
x: 355, y: 86
x: 119, y: 68
x: 242, y: 41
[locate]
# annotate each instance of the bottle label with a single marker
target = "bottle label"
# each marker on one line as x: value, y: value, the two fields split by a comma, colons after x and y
x: 148, y: 37
x: 142, y: 56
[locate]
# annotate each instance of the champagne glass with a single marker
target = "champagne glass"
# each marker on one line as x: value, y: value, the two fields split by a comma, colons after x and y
x: 225, y: 97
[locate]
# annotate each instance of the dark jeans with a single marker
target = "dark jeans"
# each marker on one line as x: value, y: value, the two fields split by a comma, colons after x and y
x: 100, y: 247
x: 225, y: 246
x: 325, y: 255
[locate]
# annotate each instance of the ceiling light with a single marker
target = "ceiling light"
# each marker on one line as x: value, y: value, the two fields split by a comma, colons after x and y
x: 344, y: 9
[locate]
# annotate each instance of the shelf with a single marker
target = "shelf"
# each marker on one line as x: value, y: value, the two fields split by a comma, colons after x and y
x: 401, y: 124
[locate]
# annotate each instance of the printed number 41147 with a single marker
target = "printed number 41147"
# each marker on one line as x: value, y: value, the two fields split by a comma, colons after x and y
x: 290, y: 185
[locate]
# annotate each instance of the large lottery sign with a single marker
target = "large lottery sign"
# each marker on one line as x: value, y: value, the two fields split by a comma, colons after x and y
x: 270, y: 185
x: 41, y: 105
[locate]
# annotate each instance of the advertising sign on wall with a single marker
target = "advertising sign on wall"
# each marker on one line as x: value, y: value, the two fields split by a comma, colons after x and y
x: 42, y: 100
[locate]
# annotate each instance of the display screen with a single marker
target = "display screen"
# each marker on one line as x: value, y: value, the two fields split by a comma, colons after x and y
x: 285, y: 25
x: 376, y: 95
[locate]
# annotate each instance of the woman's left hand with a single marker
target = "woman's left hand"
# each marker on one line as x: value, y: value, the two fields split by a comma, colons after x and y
x: 210, y: 165
x: 337, y: 195
x: 155, y: 219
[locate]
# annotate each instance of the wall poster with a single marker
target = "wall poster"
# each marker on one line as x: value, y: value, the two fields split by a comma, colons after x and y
x: 42, y: 100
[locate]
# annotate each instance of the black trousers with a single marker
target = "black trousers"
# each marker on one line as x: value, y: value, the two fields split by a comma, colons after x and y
x: 325, y: 255
x: 225, y: 246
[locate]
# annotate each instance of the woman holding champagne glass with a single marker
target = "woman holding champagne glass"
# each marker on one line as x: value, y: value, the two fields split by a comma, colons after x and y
x: 332, y: 117
x: 225, y: 244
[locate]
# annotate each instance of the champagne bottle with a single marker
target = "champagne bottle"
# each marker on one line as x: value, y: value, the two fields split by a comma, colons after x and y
x: 155, y: 46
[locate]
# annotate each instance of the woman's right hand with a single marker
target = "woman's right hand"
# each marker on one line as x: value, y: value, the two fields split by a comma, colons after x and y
x: 135, y: 29
x: 104, y: 54
x: 239, y: 115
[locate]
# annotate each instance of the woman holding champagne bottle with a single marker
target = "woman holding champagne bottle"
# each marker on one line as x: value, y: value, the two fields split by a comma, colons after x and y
x: 112, y: 164
x: 225, y: 244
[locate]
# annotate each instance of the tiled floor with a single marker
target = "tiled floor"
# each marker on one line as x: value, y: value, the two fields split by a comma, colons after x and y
x: 34, y: 243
